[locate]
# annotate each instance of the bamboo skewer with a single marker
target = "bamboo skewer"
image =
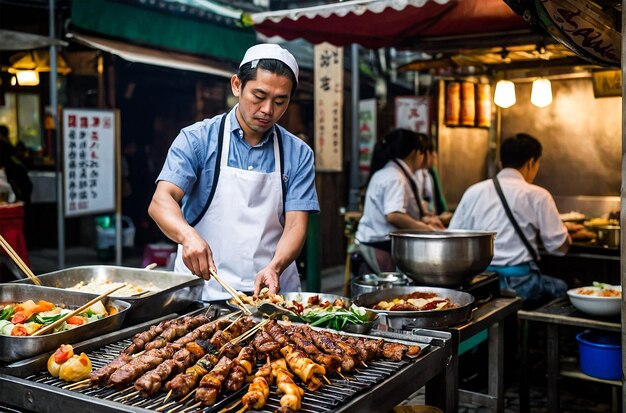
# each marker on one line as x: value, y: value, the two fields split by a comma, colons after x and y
x: 165, y: 406
x: 126, y: 396
x: 77, y: 311
x: 231, y: 291
x: 18, y: 260
x: 193, y: 406
x: 188, y: 395
x: 76, y: 383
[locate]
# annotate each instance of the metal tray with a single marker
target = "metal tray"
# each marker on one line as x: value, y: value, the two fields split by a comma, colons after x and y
x: 361, y: 393
x: 17, y: 348
x: 303, y: 297
x: 177, y: 291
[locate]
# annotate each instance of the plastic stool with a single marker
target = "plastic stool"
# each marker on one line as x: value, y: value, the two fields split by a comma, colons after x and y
x: 12, y: 228
x: 157, y: 253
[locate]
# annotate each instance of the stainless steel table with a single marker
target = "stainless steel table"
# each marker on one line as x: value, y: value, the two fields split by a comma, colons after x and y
x: 559, y: 312
x: 489, y: 315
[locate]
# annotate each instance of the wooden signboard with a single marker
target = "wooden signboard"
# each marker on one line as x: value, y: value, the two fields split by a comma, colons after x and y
x: 328, y: 108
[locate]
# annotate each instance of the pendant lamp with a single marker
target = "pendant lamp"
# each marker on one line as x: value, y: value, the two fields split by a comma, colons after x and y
x: 541, y: 94
x: 505, y: 94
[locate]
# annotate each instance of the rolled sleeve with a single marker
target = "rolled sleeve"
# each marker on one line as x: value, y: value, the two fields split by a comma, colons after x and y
x: 551, y: 229
x: 301, y: 193
x: 181, y: 163
x: 394, y: 198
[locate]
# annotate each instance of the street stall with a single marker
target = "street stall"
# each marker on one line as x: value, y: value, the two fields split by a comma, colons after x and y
x: 140, y: 368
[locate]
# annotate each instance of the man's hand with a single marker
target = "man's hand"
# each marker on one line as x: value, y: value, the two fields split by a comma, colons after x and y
x: 197, y: 255
x: 267, y: 277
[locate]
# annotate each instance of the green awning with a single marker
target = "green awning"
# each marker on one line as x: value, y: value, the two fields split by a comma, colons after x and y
x: 160, y: 29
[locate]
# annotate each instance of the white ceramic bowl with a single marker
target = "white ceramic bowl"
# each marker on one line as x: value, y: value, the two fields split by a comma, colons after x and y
x: 595, y: 304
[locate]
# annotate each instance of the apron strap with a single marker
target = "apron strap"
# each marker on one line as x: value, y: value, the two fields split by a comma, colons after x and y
x: 279, y: 139
x: 516, y: 226
x: 413, y: 188
x: 216, y: 174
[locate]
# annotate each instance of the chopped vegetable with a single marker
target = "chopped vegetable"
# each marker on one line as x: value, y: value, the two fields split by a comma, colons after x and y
x: 6, y: 328
x: 19, y: 330
x: 98, y: 308
x: 335, y: 318
x: 76, y: 368
x: 32, y: 317
x: 76, y: 320
x: 20, y: 317
x: 7, y: 312
x: 63, y: 353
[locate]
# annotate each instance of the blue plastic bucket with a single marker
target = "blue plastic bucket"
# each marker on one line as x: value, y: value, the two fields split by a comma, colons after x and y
x: 600, y: 355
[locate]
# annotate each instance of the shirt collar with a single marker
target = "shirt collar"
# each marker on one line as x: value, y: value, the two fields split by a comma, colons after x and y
x: 238, y: 131
x: 510, y: 173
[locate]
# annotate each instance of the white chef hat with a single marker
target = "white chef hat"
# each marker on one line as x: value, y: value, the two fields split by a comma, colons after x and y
x: 270, y: 51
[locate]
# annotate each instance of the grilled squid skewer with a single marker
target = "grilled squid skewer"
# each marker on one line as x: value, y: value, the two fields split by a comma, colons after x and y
x: 292, y: 394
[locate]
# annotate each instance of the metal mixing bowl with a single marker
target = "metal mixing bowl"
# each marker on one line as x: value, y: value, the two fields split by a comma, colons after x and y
x: 442, y: 258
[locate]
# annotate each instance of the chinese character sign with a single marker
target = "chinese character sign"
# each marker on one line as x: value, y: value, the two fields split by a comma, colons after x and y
x: 328, y: 85
x: 89, y: 138
x: 412, y: 113
x: 367, y: 136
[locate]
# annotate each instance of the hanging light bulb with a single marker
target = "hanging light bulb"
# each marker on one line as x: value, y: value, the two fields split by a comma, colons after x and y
x: 541, y: 94
x: 505, y: 94
x: 27, y: 77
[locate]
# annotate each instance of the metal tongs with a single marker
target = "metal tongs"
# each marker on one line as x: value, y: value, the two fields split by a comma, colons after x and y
x: 273, y: 310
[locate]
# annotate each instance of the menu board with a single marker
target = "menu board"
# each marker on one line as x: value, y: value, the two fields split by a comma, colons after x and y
x: 328, y: 72
x: 89, y: 161
x: 412, y: 113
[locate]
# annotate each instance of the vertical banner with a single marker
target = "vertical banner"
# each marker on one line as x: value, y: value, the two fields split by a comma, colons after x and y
x: 412, y: 113
x: 89, y: 142
x: 367, y: 136
x: 328, y: 72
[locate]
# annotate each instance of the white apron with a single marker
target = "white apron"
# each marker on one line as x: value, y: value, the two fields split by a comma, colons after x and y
x: 243, y: 225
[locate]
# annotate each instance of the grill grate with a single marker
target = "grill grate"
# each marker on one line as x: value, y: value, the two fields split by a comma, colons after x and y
x: 325, y: 399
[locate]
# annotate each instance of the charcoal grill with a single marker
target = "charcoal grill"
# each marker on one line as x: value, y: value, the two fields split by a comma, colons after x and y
x: 377, y: 387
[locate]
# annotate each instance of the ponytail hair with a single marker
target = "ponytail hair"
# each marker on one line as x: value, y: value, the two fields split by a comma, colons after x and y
x: 398, y: 144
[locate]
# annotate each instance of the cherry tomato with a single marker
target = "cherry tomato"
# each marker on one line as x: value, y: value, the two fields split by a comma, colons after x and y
x: 64, y: 353
x: 19, y: 318
x: 19, y: 330
x: 76, y: 320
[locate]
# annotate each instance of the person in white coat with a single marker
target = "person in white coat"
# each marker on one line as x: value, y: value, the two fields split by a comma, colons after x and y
x: 392, y: 199
x: 236, y: 190
x: 535, y: 213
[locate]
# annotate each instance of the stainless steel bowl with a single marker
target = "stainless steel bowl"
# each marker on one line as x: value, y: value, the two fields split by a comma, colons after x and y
x: 442, y: 258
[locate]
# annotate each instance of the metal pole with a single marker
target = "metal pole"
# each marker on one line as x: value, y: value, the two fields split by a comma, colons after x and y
x: 623, y: 202
x: 355, y: 193
x: 55, y: 117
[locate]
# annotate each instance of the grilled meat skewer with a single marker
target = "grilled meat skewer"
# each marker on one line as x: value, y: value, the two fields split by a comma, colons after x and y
x: 150, y: 382
x: 194, y: 348
x: 177, y: 330
x: 183, y: 383
x: 141, y: 339
x: 211, y: 384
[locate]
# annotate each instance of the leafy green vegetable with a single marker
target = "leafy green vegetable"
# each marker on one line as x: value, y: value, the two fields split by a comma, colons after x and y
x: 601, y: 285
x: 7, y: 312
x: 47, y: 319
x: 335, y: 317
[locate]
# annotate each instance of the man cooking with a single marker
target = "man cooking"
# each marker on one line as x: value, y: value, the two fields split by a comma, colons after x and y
x: 534, y: 212
x: 236, y: 190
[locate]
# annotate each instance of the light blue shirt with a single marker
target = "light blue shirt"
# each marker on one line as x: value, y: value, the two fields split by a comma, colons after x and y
x: 190, y: 164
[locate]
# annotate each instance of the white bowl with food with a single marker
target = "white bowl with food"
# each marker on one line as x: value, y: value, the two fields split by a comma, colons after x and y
x: 599, y: 299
